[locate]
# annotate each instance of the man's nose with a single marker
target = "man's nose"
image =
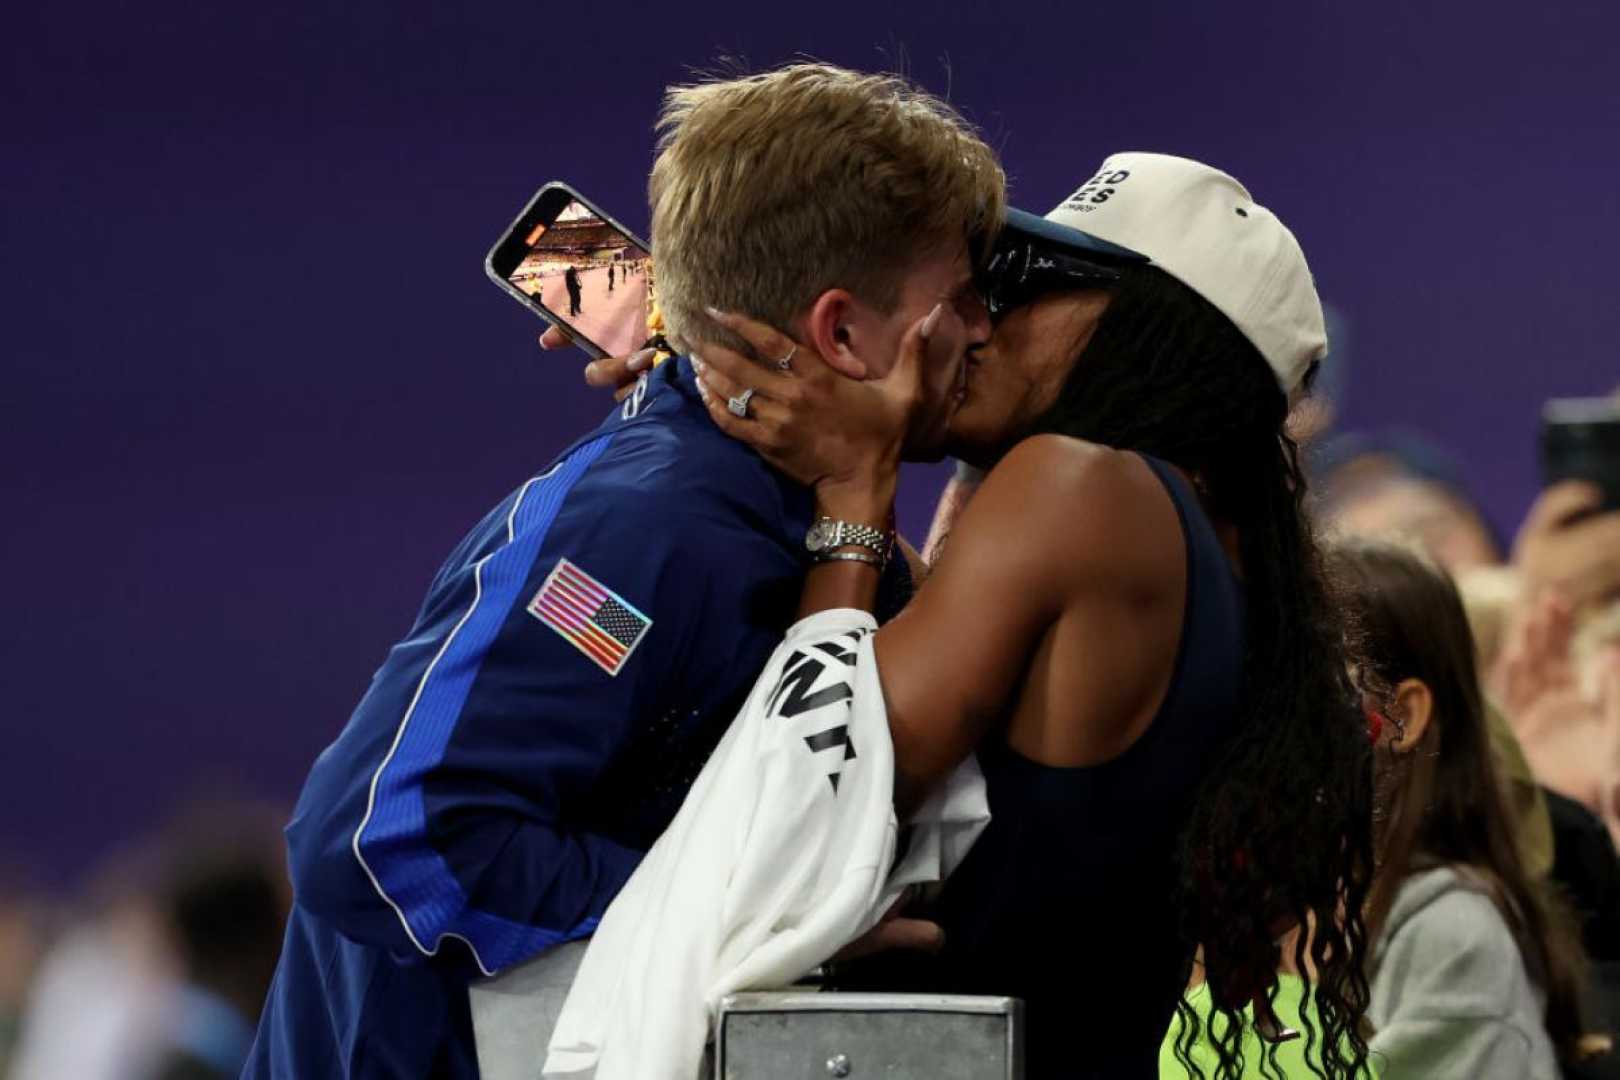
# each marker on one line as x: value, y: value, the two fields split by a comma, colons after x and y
x: 976, y: 317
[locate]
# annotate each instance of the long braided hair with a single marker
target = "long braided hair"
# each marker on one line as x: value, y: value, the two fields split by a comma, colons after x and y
x: 1280, y: 833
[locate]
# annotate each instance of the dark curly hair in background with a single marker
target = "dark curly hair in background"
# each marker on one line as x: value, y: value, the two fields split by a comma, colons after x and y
x: 1280, y: 835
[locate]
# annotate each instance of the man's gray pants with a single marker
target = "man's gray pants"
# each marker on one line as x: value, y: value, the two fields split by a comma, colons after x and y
x: 513, y: 1013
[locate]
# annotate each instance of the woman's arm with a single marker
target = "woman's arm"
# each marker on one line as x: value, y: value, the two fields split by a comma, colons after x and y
x: 1057, y: 523
x: 1054, y: 528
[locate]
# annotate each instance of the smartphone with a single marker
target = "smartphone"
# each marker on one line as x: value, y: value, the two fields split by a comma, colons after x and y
x: 574, y: 265
x: 1580, y: 440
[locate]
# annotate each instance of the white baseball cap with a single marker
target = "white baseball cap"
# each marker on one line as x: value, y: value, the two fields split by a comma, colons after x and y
x: 1202, y: 227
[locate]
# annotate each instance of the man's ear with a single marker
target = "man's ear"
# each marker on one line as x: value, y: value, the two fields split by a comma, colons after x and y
x: 828, y: 326
x: 1414, y: 704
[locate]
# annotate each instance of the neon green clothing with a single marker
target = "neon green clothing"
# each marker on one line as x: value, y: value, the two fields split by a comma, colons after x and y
x: 1290, y: 1058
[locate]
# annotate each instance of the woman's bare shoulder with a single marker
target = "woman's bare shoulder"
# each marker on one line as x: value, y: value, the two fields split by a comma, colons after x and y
x: 1096, y: 509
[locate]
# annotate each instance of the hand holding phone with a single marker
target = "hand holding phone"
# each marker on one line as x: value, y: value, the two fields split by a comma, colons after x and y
x: 1580, y: 440
x: 616, y: 373
x: 1569, y: 543
x: 569, y: 262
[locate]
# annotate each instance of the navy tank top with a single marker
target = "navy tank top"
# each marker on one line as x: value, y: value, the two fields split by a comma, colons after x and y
x: 1067, y: 898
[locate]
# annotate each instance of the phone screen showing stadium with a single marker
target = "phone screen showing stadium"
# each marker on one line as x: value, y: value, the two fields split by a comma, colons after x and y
x: 587, y: 273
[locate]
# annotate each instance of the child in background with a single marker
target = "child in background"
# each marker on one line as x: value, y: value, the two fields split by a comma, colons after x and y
x: 1476, y: 967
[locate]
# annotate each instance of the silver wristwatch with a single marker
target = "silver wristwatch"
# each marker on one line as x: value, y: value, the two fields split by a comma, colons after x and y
x: 827, y: 535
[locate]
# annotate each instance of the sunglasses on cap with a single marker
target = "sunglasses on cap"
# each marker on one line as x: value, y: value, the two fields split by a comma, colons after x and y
x: 1023, y: 269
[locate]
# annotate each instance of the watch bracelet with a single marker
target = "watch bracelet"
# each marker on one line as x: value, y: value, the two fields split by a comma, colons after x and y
x: 852, y: 556
x: 879, y: 542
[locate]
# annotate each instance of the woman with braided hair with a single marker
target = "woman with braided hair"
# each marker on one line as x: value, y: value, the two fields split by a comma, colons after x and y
x: 1129, y: 622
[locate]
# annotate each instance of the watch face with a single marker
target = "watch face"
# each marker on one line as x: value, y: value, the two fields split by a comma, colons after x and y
x: 819, y: 536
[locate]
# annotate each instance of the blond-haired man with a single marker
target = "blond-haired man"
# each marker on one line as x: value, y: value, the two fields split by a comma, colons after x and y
x: 585, y: 645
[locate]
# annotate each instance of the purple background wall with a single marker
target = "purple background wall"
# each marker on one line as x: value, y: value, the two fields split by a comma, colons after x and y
x: 255, y: 384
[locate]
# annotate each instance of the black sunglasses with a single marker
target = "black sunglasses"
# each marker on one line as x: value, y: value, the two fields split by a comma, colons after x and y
x: 1021, y: 270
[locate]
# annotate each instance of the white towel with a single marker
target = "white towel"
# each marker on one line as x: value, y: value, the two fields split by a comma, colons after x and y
x: 783, y: 851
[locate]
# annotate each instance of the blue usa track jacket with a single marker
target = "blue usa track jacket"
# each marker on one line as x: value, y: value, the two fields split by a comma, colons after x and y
x: 575, y: 661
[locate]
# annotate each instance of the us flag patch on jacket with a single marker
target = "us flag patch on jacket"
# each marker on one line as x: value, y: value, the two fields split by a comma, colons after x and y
x: 592, y: 617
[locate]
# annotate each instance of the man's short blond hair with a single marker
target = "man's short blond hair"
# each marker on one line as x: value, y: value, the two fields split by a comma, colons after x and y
x: 770, y: 189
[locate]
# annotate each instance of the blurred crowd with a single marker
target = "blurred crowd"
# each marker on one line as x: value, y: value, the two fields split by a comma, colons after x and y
x: 158, y: 970
x: 1540, y: 613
